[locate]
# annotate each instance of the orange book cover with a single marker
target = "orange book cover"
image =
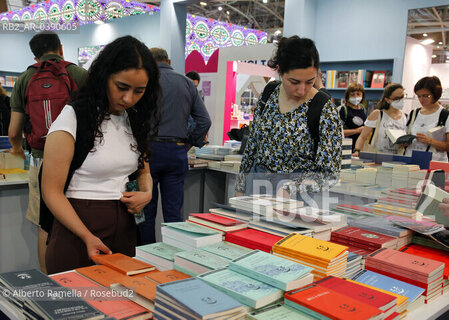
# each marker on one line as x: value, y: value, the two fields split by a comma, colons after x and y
x: 122, y: 263
x: 329, y: 303
x: 101, y: 298
x: 101, y: 274
x: 141, y: 285
x: 167, y: 276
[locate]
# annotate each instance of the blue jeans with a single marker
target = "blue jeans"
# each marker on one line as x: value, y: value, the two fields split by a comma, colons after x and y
x: 168, y: 167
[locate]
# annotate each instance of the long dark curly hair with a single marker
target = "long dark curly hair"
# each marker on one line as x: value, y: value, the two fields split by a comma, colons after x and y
x: 122, y: 54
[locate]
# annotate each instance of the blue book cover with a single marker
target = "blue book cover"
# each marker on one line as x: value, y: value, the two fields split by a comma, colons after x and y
x: 421, y: 158
x: 380, y: 225
x: 390, y: 284
x: 404, y: 159
x: 199, y: 297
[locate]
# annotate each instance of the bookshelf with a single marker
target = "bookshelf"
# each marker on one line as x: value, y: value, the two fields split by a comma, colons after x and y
x: 389, y: 65
x: 7, y: 79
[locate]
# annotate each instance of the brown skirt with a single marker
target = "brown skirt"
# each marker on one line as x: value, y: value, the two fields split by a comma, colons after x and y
x: 109, y: 220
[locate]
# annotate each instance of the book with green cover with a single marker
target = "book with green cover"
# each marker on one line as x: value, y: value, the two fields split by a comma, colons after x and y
x: 190, y: 228
x: 159, y: 249
x: 227, y: 250
x: 203, y: 258
x: 248, y: 291
x: 277, y: 312
x: 276, y: 271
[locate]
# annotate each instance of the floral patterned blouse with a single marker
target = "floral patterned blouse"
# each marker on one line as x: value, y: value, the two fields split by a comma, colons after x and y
x: 281, y: 142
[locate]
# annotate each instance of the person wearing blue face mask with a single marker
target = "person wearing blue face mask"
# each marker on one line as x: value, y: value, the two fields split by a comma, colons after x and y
x: 352, y: 112
x: 430, y: 116
x: 389, y: 115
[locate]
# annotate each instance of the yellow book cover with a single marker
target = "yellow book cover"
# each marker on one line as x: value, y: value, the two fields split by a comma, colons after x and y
x: 386, y: 207
x: 320, y: 249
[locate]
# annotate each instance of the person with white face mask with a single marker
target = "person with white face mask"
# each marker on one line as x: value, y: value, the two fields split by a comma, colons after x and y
x: 352, y: 112
x: 431, y: 115
x: 388, y: 116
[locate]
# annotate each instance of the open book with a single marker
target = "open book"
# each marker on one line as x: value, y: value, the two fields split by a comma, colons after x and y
x: 428, y: 203
x: 399, y: 136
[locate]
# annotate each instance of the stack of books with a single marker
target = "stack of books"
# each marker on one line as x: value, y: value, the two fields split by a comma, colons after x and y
x: 401, y: 174
x: 217, y: 222
x: 346, y: 153
x: 354, y: 264
x: 347, y: 175
x: 276, y: 271
x: 111, y: 306
x: 391, y: 210
x: 227, y: 250
x: 264, y: 204
x: 433, y: 254
x: 355, y: 211
x: 366, y: 175
x: 159, y: 254
x: 198, y: 261
x: 416, y: 178
x: 324, y: 257
x: 253, y: 239
x: 198, y: 163
x: 402, y: 197
x: 31, y: 294
x: 419, y: 271
x: 363, y: 239
x: 428, y: 242
x: 383, y: 177
x: 188, y: 236
x: 321, y: 302
x: 251, y: 292
x: 409, y: 296
x: 194, y: 299
x: 386, y: 227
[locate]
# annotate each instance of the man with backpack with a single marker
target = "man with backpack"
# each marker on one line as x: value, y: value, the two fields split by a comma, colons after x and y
x: 38, y: 96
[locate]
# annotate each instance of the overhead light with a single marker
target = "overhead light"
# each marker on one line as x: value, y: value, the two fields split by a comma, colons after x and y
x: 434, y: 55
x: 428, y: 41
x: 424, y: 34
x: 99, y: 22
x: 227, y: 12
x: 220, y: 8
x: 438, y: 47
x: 440, y: 42
x: 203, y: 3
x: 277, y: 32
x: 265, y: 1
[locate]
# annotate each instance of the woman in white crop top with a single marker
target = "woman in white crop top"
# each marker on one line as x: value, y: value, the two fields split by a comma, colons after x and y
x: 110, y: 121
x: 391, y: 117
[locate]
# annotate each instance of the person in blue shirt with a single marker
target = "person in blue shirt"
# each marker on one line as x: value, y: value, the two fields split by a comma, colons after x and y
x: 169, y: 164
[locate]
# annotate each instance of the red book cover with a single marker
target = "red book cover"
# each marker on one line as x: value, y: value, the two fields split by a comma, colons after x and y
x: 118, y: 308
x: 216, y: 219
x: 123, y: 263
x: 355, y: 207
x: 101, y: 274
x: 353, y: 243
x: 369, y: 238
x: 393, y: 316
x: 331, y: 304
x: 355, y: 291
x: 430, y: 253
x: 249, y: 245
x: 378, y: 79
x: 408, y: 262
x: 256, y: 237
x: 167, y: 276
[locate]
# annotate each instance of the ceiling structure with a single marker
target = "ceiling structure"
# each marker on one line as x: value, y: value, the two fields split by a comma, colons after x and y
x: 431, y: 23
x: 255, y: 14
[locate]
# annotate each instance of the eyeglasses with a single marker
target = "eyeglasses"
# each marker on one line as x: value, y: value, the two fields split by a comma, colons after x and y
x: 424, y: 96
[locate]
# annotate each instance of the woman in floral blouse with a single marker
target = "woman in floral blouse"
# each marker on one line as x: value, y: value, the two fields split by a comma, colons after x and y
x: 280, y: 144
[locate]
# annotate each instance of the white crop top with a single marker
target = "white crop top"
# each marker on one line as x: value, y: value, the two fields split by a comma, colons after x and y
x: 383, y: 143
x: 104, y: 172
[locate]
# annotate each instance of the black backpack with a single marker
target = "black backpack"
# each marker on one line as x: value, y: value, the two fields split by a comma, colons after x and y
x: 441, y: 120
x: 313, y: 113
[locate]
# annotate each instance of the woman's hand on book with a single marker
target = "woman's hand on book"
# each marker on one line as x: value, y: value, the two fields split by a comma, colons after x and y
x: 423, y: 138
x: 95, y: 246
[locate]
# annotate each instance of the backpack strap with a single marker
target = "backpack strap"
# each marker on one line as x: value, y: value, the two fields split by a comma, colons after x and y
x: 45, y: 216
x: 345, y: 110
x: 313, y: 117
x: 411, y: 119
x: 441, y: 122
x: 371, y: 142
x: 266, y: 93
